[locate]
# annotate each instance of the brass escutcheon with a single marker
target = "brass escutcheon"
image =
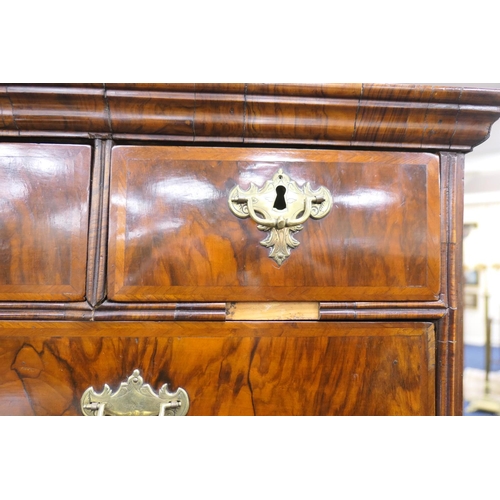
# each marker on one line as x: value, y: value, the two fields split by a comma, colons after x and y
x: 280, y: 208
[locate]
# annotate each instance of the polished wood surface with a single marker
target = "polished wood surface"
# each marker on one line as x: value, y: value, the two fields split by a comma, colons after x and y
x: 272, y: 311
x: 98, y: 224
x: 44, y: 198
x: 346, y: 115
x: 275, y: 368
x: 173, y: 237
x: 450, y: 343
x: 118, y: 249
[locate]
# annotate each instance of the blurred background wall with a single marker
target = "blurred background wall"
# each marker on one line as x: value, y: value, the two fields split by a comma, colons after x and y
x: 482, y: 238
x: 482, y: 275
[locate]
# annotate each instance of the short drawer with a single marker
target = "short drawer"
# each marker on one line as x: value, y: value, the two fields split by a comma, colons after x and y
x: 174, y: 237
x: 232, y: 368
x: 44, y: 218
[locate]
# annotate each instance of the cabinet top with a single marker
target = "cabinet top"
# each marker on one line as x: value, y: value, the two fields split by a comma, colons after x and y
x: 379, y: 116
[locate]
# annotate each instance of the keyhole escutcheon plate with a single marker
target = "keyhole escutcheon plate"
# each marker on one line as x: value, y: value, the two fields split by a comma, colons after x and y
x: 280, y: 208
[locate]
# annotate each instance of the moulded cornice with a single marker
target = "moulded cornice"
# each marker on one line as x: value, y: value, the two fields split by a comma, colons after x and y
x: 383, y: 116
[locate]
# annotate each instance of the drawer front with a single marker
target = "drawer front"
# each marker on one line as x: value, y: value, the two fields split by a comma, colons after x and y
x: 248, y: 368
x: 174, y: 237
x: 44, y: 198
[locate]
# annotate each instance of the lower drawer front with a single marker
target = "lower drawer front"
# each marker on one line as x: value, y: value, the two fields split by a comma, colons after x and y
x: 252, y: 368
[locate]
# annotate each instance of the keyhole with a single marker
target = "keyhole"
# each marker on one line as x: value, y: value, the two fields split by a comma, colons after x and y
x: 279, y: 202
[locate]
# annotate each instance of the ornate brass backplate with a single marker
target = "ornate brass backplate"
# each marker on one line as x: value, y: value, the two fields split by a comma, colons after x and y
x: 280, y: 208
x: 135, y: 398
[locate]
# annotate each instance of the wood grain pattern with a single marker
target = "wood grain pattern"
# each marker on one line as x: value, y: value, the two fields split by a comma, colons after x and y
x: 98, y: 224
x: 168, y: 311
x: 173, y: 237
x: 275, y: 368
x: 381, y: 314
x: 71, y: 311
x: 450, y: 343
x: 341, y: 311
x: 381, y: 272
x: 44, y: 196
x: 346, y: 115
x: 272, y: 311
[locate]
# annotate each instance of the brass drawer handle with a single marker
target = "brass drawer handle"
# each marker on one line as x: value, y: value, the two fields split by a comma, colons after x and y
x: 280, y: 208
x: 134, y: 398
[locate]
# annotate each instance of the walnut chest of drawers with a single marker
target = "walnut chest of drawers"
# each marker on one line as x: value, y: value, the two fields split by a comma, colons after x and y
x: 268, y: 249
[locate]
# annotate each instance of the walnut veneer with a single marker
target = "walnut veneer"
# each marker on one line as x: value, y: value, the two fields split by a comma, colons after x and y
x: 118, y: 249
